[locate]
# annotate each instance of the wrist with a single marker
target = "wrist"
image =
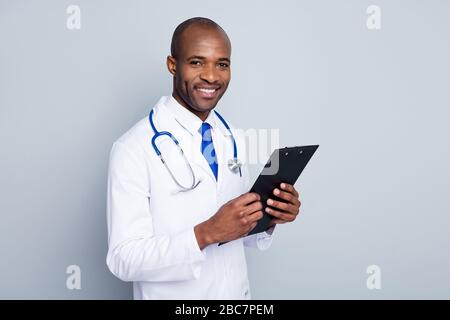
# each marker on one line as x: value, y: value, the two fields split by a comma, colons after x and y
x: 203, y: 235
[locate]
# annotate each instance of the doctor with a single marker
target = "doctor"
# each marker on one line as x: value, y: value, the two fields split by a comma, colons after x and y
x: 168, y: 209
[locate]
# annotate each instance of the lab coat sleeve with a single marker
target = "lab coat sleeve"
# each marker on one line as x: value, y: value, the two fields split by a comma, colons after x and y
x: 263, y: 240
x: 135, y: 253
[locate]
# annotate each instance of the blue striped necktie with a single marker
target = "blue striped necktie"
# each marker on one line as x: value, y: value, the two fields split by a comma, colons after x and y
x: 208, y: 148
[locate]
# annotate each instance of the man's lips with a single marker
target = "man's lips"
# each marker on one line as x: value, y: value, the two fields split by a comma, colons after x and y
x: 207, y: 92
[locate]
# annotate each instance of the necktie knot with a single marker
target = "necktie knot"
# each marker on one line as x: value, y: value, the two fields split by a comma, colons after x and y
x: 205, y: 131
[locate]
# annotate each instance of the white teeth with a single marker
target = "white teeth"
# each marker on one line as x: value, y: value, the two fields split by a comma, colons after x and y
x: 206, y: 90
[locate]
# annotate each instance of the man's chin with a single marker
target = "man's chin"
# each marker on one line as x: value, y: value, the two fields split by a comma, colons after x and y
x: 205, y: 106
x: 204, y: 103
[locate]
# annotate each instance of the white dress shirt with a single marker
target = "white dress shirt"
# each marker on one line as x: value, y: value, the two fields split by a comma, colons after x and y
x: 151, y: 239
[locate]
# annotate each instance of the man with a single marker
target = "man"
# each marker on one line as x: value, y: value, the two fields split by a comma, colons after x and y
x: 164, y: 236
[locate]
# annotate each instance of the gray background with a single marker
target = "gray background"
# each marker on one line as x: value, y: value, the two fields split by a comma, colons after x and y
x: 376, y: 101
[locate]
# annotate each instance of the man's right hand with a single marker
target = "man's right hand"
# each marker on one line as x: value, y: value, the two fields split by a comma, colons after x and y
x: 235, y: 219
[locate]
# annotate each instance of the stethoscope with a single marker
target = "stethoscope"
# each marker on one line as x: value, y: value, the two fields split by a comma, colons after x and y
x: 233, y: 164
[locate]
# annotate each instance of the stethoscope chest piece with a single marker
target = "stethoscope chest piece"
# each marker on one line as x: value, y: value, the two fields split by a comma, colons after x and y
x: 234, y: 165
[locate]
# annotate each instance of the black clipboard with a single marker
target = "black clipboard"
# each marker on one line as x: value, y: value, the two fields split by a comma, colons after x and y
x: 284, y: 165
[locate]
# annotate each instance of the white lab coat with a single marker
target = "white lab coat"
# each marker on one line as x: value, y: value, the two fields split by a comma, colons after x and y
x: 151, y: 236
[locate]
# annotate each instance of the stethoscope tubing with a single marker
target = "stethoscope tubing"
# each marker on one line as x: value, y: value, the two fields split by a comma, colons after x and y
x: 158, y: 134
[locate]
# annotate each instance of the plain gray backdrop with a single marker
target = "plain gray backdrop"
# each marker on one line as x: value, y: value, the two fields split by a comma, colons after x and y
x: 377, y: 101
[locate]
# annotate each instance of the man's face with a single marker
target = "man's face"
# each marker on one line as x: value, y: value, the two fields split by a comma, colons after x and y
x: 202, y: 68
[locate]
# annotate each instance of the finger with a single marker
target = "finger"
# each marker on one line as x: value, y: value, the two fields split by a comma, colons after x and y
x: 283, y: 206
x: 254, y: 216
x: 284, y: 216
x: 251, y: 208
x: 247, y: 198
x: 289, y: 188
x: 289, y: 197
x: 251, y: 218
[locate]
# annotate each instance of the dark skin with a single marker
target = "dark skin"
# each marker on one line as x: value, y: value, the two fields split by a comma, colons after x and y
x: 201, y: 74
x: 203, y: 62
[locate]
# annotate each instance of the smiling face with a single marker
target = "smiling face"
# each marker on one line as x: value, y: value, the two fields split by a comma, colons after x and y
x: 201, y: 68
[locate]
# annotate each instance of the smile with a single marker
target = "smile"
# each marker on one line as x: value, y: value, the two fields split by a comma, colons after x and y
x: 207, y: 92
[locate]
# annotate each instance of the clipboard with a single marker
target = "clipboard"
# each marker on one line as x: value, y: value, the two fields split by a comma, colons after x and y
x: 284, y: 165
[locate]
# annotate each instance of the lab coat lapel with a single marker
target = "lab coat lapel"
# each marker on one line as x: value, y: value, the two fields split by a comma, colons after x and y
x: 190, y: 144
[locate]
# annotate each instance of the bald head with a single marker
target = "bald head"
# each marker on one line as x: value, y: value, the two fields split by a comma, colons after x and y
x: 198, y: 25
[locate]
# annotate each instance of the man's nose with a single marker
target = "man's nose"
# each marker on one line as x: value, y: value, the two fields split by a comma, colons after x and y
x: 209, y: 74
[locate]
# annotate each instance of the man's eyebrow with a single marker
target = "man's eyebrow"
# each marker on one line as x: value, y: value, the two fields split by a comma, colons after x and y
x: 204, y: 58
x: 196, y: 57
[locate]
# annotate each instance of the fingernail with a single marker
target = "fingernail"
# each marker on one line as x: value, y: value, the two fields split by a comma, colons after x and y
x: 283, y: 185
x: 267, y: 209
x: 270, y: 201
x: 276, y: 191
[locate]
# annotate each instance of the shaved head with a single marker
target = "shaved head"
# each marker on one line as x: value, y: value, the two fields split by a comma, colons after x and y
x: 203, y: 23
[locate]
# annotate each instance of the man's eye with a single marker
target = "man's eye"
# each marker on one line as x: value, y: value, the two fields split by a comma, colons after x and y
x: 195, y: 63
x: 223, y: 65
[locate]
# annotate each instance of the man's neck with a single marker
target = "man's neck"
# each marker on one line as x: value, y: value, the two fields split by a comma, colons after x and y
x: 200, y: 114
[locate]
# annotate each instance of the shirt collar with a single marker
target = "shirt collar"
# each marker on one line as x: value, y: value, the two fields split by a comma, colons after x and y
x: 190, y: 121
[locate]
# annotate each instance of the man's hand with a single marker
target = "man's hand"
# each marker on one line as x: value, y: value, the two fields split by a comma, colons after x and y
x: 285, y: 211
x: 235, y: 219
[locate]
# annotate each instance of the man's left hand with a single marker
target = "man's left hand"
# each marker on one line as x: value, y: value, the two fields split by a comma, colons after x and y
x: 287, y: 210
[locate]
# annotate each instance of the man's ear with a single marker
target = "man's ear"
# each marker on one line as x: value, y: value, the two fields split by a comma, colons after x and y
x: 171, y: 65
